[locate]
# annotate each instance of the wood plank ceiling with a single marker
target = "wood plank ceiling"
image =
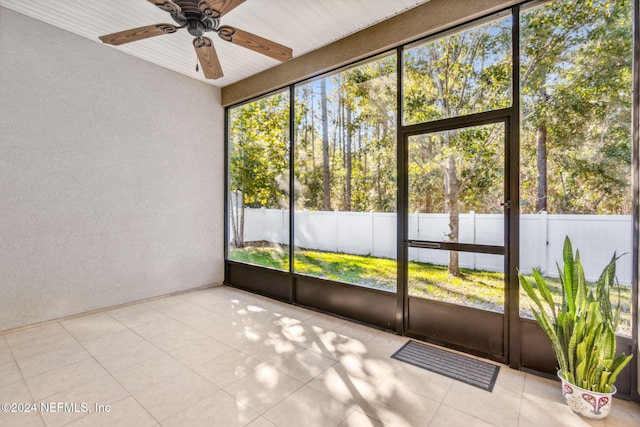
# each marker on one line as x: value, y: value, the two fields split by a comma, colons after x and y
x: 303, y: 25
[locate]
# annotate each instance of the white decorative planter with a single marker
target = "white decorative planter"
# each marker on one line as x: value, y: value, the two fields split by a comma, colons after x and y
x: 587, y: 403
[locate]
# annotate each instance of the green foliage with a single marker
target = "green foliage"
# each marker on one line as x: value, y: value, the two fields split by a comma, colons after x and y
x: 259, y: 151
x: 361, y: 118
x: 258, y: 158
x: 582, y: 329
x: 462, y: 73
x: 576, y: 85
x: 576, y: 80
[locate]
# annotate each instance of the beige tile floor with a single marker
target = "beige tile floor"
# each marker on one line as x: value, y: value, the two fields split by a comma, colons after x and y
x: 224, y: 357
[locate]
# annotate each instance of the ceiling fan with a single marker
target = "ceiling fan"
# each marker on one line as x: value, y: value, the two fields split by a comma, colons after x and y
x: 199, y: 17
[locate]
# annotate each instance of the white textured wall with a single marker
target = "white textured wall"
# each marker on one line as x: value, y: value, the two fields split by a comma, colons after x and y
x: 111, y: 176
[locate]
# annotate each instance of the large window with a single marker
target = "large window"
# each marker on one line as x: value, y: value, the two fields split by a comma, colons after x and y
x: 258, y: 213
x: 462, y: 73
x: 460, y: 134
x: 575, y: 158
x: 345, y: 169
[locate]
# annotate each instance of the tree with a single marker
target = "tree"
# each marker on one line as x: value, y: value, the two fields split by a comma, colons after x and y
x: 575, y: 130
x: 576, y: 88
x: 326, y: 186
x: 258, y: 158
x: 355, y: 131
x: 348, y: 160
x: 461, y: 74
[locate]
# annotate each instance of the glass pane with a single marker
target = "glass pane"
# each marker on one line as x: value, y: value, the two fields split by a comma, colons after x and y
x: 259, y: 182
x: 576, y: 141
x: 345, y: 169
x: 458, y: 74
x: 480, y: 283
x: 456, y: 185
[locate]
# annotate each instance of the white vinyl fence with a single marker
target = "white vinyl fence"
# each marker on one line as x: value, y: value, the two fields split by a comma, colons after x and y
x: 374, y: 233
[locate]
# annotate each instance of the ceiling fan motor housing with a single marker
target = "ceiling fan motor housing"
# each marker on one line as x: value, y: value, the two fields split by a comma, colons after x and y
x: 196, y: 28
x: 197, y: 17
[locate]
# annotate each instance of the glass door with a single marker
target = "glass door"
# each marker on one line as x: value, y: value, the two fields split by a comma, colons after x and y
x: 456, y: 237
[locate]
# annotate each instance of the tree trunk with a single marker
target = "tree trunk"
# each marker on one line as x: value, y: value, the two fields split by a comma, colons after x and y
x: 453, y: 209
x: 378, y: 183
x: 237, y: 219
x: 305, y: 119
x: 325, y: 147
x: 347, y: 190
x: 315, y: 198
x: 234, y: 225
x: 541, y: 157
x: 241, y: 231
x: 541, y: 161
x: 365, y: 171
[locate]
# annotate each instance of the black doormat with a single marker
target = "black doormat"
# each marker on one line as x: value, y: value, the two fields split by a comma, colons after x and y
x: 453, y: 365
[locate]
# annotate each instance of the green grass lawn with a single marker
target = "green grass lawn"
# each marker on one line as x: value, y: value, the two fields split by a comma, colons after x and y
x: 473, y: 288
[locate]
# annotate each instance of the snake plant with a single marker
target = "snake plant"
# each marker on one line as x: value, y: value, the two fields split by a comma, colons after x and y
x: 581, y: 328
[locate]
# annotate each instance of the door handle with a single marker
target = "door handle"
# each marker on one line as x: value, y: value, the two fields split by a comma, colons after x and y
x: 424, y: 245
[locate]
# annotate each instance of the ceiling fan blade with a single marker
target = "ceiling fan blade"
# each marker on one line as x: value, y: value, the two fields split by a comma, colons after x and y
x: 166, y: 5
x: 256, y: 43
x: 136, y: 34
x: 224, y: 6
x: 208, y: 58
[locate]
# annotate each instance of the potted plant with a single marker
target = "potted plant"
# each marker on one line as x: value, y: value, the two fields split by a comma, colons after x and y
x: 582, y: 333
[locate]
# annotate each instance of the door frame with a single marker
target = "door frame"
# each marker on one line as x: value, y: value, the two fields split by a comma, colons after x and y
x: 462, y: 329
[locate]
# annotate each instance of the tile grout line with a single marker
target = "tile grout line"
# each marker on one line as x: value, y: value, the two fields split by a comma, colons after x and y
x: 24, y: 380
x: 524, y: 383
x: 260, y: 365
x: 108, y: 371
x: 178, y: 361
